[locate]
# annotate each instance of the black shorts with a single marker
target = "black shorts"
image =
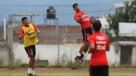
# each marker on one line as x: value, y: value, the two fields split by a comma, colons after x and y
x: 99, y: 70
x: 86, y: 32
x: 31, y: 51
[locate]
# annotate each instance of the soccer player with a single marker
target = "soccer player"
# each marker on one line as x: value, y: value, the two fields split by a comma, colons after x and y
x: 83, y: 19
x: 29, y: 33
x: 99, y: 44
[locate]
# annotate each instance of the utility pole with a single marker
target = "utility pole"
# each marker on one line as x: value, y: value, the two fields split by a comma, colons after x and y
x: 4, y: 21
x: 10, y: 42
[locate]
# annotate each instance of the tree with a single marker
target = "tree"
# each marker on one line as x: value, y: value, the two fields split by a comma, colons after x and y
x: 133, y: 11
x: 123, y: 14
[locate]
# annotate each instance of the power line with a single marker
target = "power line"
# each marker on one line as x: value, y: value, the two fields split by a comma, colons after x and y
x: 106, y: 11
x: 96, y: 11
x: 55, y: 5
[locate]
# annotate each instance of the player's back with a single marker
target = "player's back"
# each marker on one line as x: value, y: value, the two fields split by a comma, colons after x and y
x: 98, y: 56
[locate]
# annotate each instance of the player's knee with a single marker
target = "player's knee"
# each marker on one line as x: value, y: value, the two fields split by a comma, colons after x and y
x: 86, y: 44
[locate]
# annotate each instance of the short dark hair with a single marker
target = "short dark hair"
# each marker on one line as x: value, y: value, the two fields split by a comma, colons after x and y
x: 97, y: 25
x: 23, y: 18
x: 75, y: 5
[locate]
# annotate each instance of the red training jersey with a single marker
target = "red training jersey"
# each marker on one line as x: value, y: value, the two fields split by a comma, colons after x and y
x: 101, y: 43
x: 85, y: 21
x: 21, y: 31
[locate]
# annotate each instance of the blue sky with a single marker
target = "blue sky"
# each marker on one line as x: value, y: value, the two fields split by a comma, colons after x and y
x: 63, y: 8
x: 58, y: 1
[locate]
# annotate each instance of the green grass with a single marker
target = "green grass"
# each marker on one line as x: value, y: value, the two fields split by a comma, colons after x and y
x: 65, y: 74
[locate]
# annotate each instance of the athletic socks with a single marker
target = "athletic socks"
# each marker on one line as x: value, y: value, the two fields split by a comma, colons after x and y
x: 79, y: 54
x: 83, y: 52
x: 29, y: 70
x: 33, y: 72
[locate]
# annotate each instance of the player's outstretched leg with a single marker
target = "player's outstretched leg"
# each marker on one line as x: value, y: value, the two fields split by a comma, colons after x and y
x: 80, y: 57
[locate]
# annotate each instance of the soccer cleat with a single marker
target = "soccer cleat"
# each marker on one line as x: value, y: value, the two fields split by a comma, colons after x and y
x: 29, y: 74
x: 78, y: 59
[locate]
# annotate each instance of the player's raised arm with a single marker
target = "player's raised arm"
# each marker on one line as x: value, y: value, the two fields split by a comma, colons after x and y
x: 36, y: 28
x: 92, y: 45
x: 79, y: 18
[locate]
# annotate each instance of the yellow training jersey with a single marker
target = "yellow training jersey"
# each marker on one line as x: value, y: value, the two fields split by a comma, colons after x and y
x: 31, y: 37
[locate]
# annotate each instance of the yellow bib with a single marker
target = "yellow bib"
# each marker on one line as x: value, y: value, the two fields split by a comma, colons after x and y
x: 31, y: 37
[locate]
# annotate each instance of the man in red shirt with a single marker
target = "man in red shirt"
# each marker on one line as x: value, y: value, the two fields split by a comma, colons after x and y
x: 99, y: 44
x: 83, y: 19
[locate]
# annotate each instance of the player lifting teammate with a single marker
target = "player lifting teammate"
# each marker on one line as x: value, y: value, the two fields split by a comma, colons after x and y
x: 99, y: 44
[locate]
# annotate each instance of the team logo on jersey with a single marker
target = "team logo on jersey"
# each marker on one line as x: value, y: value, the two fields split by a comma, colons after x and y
x: 100, y: 37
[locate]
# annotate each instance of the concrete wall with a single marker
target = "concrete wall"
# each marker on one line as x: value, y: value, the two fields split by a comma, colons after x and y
x: 4, y: 55
x: 126, y: 43
x: 50, y: 52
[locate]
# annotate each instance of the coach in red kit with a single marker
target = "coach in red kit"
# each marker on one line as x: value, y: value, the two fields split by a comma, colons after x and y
x: 99, y: 44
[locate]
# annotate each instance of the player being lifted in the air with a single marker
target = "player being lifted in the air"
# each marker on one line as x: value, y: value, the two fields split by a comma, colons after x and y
x: 83, y: 19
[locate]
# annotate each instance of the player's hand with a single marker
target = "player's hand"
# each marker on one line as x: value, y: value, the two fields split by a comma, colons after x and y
x: 21, y: 36
x: 27, y: 33
x: 38, y: 31
x: 80, y: 17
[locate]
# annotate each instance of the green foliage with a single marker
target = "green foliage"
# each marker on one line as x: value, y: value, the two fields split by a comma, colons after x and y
x: 41, y: 65
x: 24, y: 65
x: 73, y: 65
x: 65, y: 62
x: 1, y: 61
x: 126, y: 14
x: 86, y: 64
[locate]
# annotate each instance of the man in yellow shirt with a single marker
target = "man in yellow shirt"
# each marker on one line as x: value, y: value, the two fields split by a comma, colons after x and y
x: 28, y: 32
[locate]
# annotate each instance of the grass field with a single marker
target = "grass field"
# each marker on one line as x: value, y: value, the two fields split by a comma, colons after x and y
x: 65, y: 74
